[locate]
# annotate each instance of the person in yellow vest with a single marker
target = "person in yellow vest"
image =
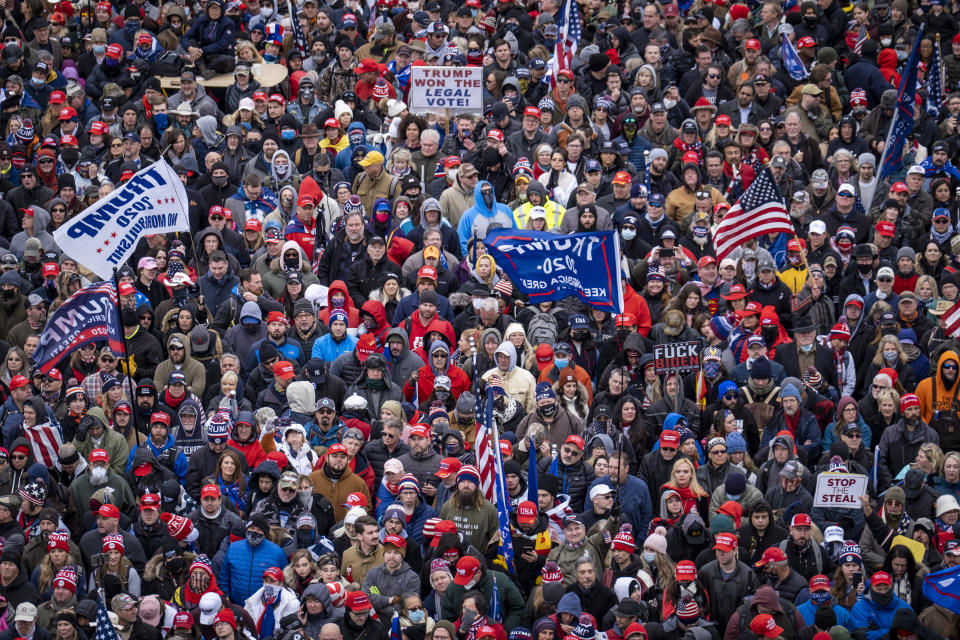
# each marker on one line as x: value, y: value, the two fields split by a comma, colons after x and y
x: 537, y: 197
x: 333, y: 139
x: 794, y: 273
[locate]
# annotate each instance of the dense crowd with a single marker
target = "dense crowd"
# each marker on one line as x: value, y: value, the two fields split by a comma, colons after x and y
x: 287, y: 445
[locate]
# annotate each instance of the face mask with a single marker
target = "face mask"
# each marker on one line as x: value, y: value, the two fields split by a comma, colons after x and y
x: 901, y: 55
x: 254, y: 538
x: 131, y: 26
x: 886, y: 42
x: 807, y: 348
x: 291, y: 262
x: 416, y: 617
x: 810, y: 21
x: 688, y: 589
x: 820, y: 597
x: 561, y: 362
x: 271, y: 591
x: 669, y: 104
x: 356, y: 138
x: 882, y: 599
x: 864, y: 269
x: 441, y: 394
x: 306, y: 93
x: 795, y: 260
x: 452, y: 448
x: 288, y: 134
x: 175, y: 565
x: 377, y: 384
x: 70, y: 156
x: 270, y: 57
x: 487, y: 198
x: 220, y: 181
x: 37, y: 83
x: 99, y: 49
x: 548, y: 410
x: 382, y: 216
x: 711, y: 368
x: 890, y: 356
x: 749, y: 268
x: 769, y: 334
x: 733, y: 496
x: 162, y: 120
x: 110, y: 62
x: 266, y: 12
x: 580, y: 334
x: 649, y: 556
x: 253, y: 146
x: 304, y: 538
x: 629, y: 234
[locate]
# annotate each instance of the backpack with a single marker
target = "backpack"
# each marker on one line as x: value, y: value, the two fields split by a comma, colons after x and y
x: 542, y: 329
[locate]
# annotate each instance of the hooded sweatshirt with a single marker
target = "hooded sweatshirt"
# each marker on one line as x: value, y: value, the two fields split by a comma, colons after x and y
x: 518, y: 383
x: 479, y: 219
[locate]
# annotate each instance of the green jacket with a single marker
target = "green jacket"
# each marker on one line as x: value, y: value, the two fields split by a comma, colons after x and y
x: 477, y: 526
x: 511, y: 602
x: 113, y: 442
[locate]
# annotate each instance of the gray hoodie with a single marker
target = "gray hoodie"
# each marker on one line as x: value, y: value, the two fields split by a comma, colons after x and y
x: 41, y: 220
x: 403, y: 366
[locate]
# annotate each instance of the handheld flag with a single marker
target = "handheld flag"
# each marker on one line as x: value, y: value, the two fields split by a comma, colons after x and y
x: 533, y: 489
x: 299, y: 38
x: 759, y: 211
x: 395, y: 627
x: 903, y: 119
x: 104, y: 235
x: 105, y: 628
x: 89, y: 315
x: 484, y: 451
x: 943, y: 588
x: 791, y: 60
x: 505, y: 550
x: 935, y: 82
x: 952, y: 321
x: 547, y: 266
x: 568, y: 38
x: 496, y: 606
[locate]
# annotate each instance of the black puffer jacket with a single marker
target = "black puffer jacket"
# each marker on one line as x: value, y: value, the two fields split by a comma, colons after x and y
x: 378, y: 454
x: 574, y: 480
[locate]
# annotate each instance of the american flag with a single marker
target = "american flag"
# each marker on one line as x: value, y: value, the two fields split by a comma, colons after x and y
x: 862, y: 36
x: 105, y: 628
x: 568, y: 37
x: 903, y: 117
x: 485, y: 459
x: 760, y: 210
x: 952, y: 320
x: 299, y: 37
x: 45, y: 440
x: 935, y: 82
x: 491, y: 465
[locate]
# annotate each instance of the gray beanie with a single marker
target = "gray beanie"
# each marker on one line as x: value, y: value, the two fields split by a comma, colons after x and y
x: 906, y: 252
x: 867, y: 158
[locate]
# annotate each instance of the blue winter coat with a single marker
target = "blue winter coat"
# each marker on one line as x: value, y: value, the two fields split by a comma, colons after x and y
x: 213, y: 37
x: 243, y: 566
x: 325, y: 348
x: 829, y: 435
x: 866, y: 74
x: 179, y: 465
x: 874, y: 620
x: 501, y: 214
x: 808, y: 610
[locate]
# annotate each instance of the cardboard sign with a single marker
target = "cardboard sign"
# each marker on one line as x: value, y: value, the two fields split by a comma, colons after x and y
x: 840, y: 490
x: 440, y: 89
x: 680, y: 357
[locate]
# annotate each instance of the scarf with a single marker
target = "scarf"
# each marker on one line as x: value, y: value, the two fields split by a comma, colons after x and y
x: 839, y: 362
x: 944, y: 236
x: 232, y: 491
x: 172, y: 402
x: 683, y: 147
x: 472, y: 631
x: 267, y: 621
x: 330, y: 473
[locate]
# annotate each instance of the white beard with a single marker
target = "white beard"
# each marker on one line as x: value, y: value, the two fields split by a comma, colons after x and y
x: 99, y: 476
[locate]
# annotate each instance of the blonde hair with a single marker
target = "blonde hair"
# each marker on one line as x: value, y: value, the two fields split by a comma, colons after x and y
x: 888, y: 339
x: 694, y: 484
x: 935, y: 454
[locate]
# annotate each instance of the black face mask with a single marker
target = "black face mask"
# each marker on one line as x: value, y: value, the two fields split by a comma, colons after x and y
x: 622, y: 334
x: 864, y: 269
x: 70, y: 155
x: 810, y: 21
x: 293, y: 262
x: 548, y: 409
x: 175, y: 565
x: 253, y: 147
x: 579, y: 334
x: 220, y: 181
x: 487, y: 198
x: 882, y: 599
x: 8, y: 294
x: 769, y: 334
x: 304, y: 538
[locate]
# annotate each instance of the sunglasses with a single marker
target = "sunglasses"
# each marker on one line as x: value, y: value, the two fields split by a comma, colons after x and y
x: 713, y: 76
x: 719, y: 453
x: 949, y: 365
x: 571, y: 452
x: 173, y: 348
x: 18, y: 456
x: 45, y: 161
x: 563, y: 80
x: 730, y: 396
x: 855, y: 436
x: 116, y: 145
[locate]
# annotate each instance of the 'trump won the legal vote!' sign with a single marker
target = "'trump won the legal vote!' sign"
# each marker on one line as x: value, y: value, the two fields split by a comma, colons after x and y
x: 547, y: 266
x: 104, y: 235
x: 440, y: 89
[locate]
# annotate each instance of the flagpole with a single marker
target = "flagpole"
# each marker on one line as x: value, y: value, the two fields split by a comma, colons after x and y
x: 126, y: 357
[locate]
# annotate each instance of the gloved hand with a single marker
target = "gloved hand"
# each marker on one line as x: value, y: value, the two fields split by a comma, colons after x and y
x: 468, y: 618
x: 83, y: 427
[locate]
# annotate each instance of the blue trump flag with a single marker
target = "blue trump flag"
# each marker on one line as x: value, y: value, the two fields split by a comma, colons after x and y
x: 935, y: 82
x: 505, y: 550
x: 89, y: 315
x: 547, y: 266
x: 791, y: 59
x: 943, y: 587
x: 903, y: 117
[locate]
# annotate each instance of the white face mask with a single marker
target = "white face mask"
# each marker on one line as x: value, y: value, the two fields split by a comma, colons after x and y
x: 669, y: 104
x: 266, y: 12
x: 451, y: 174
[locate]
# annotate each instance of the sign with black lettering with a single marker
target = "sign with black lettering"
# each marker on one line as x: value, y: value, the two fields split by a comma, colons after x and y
x: 680, y: 357
x: 840, y: 490
x: 438, y: 89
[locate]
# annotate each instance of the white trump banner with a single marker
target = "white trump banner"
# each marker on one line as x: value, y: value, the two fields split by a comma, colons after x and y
x: 104, y: 235
x: 440, y: 89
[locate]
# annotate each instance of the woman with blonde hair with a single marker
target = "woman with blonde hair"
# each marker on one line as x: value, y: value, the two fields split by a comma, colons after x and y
x: 247, y: 52
x: 929, y: 459
x: 115, y: 564
x: 683, y: 480
x: 111, y: 394
x: 948, y: 480
x: 56, y: 559
x: 390, y: 293
x: 400, y: 162
x: 301, y: 571
x: 15, y: 363
x: 890, y: 355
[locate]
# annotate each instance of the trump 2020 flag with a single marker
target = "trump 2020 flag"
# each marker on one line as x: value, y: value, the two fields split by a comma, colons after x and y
x: 546, y: 266
x: 106, y: 233
x: 903, y: 117
x: 791, y: 60
x: 943, y: 588
x: 935, y: 82
x: 89, y: 315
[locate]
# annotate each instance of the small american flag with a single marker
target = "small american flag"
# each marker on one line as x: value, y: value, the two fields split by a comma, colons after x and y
x: 568, y: 38
x: 299, y: 37
x: 952, y: 320
x: 760, y: 210
x: 862, y: 36
x: 935, y: 83
x: 105, y: 628
x: 46, y: 441
x: 484, y: 450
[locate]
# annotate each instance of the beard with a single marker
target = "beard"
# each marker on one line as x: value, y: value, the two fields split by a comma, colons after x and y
x: 99, y: 476
x: 467, y: 498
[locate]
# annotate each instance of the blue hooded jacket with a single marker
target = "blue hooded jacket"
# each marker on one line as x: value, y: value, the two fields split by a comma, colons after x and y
x: 484, y: 217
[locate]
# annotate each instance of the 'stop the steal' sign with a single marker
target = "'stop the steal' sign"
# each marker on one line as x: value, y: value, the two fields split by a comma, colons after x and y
x: 438, y: 89
x: 679, y: 357
x: 840, y: 490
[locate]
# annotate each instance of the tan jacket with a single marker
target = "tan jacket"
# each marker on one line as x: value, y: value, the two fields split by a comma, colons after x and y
x: 369, y: 189
x: 680, y: 202
x: 337, y: 491
x: 360, y: 564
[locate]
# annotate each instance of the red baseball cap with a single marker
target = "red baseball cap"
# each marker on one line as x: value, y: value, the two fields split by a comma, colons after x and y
x: 621, y: 177
x: 468, y: 566
x: 899, y: 187
x: 705, y: 261
x: 526, y: 512
x: 277, y: 316
x: 395, y: 541
x: 356, y: 499
x: 737, y: 291
x: 420, y: 431
x: 366, y: 347
x: 725, y: 541
x: 210, y: 491
x: 283, y: 370
x: 99, y: 455
x: 765, y: 626
x: 532, y: 111
x: 806, y: 42
x: 69, y: 141
x: 108, y: 510
x: 486, y: 631
x: 819, y: 582
x: 669, y: 438
x: 161, y: 417
x: 795, y: 245
x: 150, y: 501
x: 451, y: 161
x: 358, y: 601
x: 448, y: 467
x: 427, y: 272
x: 98, y: 128
x: 686, y: 570
x: 331, y: 123
x: 881, y: 577
x: 56, y: 375
x: 723, y: 120
x: 259, y: 95
x: 51, y: 270
x: 506, y: 449
x: 337, y: 448
x: 496, y: 134
x: 886, y: 228
x: 752, y: 43
x: 143, y: 469
x: 801, y: 520
x: 57, y: 97
x: 575, y: 440
x: 276, y: 97
x: 127, y: 289
x: 544, y: 356
x: 771, y: 554
x: 18, y: 381
x: 252, y: 225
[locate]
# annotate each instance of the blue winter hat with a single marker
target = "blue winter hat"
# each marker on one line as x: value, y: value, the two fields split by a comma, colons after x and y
x: 396, y: 512
x: 673, y: 420
x: 685, y: 434
x: 545, y: 391
x: 520, y: 633
x: 584, y: 631
x: 788, y: 391
x: 736, y: 443
x: 570, y: 603
x: 339, y: 314
x: 720, y: 327
x: 726, y: 387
